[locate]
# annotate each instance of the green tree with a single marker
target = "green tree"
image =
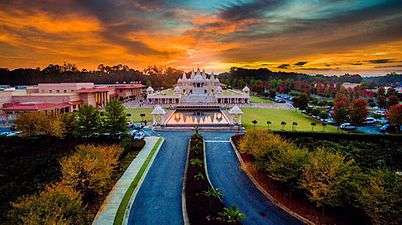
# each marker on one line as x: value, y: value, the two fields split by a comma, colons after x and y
x: 88, y: 121
x: 330, y: 179
x: 115, y: 118
x: 232, y: 215
x: 57, y: 204
x: 381, y: 197
x: 69, y: 121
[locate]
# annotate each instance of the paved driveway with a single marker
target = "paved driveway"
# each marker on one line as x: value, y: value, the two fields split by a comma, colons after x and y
x: 237, y: 189
x: 158, y: 201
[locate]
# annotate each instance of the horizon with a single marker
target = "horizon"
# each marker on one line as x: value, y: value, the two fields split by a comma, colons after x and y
x: 311, y: 37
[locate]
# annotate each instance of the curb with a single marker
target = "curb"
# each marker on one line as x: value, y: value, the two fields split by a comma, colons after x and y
x: 152, y: 154
x: 110, y: 206
x: 186, y: 221
x: 265, y: 193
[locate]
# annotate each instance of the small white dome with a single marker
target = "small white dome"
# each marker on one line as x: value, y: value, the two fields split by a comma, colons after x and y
x: 158, y: 110
x: 246, y: 89
x: 149, y: 89
x: 235, y: 110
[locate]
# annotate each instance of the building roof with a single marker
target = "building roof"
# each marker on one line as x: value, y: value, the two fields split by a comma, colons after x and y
x: 127, y: 86
x: 33, y: 106
x: 150, y: 88
x: 95, y: 89
x: 158, y: 110
x: 235, y: 110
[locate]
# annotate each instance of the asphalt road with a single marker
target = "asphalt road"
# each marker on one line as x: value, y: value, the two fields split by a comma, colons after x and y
x: 237, y: 189
x: 158, y: 201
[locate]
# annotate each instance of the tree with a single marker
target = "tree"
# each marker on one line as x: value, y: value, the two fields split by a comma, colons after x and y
x: 269, y: 123
x: 115, y: 118
x: 313, y: 124
x: 89, y: 170
x: 358, y: 111
x: 394, y: 116
x: 69, y: 121
x: 381, y: 98
x: 57, y: 204
x: 287, y: 164
x: 392, y: 100
x: 330, y: 179
x: 381, y: 197
x: 254, y: 122
x: 301, y: 101
x: 88, y: 121
x: 38, y: 123
x: 341, y: 104
x: 283, y: 124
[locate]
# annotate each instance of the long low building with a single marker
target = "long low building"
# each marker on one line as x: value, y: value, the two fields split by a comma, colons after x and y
x: 67, y: 97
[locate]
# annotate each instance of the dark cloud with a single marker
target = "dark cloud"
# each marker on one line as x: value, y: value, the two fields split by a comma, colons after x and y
x: 283, y: 66
x: 301, y: 63
x: 247, y: 10
x: 380, y: 61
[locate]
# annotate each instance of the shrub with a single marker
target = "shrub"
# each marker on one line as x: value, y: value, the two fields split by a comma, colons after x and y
x: 57, y: 204
x: 381, y: 197
x: 330, y: 179
x: 287, y: 165
x: 38, y: 123
x: 90, y: 169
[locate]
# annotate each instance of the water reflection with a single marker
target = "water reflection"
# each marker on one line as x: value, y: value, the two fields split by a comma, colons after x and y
x: 197, y: 117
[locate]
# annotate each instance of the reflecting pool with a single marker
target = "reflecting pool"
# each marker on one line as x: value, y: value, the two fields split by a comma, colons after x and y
x: 201, y: 118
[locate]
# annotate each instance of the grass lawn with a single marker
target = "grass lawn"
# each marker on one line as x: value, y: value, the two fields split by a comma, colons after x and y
x: 276, y: 116
x: 135, y: 114
x: 258, y: 99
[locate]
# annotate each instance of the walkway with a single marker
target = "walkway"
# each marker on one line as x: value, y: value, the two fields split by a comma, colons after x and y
x: 226, y: 175
x: 158, y: 202
x: 109, y: 209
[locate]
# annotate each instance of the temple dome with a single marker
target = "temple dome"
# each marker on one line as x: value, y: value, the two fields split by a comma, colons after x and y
x: 158, y: 110
x: 246, y: 89
x: 235, y: 110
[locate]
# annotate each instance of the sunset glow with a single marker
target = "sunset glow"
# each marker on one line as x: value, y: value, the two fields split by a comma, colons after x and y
x: 314, y: 36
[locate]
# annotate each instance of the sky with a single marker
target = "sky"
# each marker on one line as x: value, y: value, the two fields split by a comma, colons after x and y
x: 309, y: 36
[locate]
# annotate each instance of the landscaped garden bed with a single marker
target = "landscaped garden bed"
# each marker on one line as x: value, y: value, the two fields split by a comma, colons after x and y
x: 29, y: 165
x: 203, y: 202
x: 302, y: 174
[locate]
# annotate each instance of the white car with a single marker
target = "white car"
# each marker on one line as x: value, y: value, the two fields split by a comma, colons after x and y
x: 347, y: 126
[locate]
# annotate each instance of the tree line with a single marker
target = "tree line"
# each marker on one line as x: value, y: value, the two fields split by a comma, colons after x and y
x: 53, y: 73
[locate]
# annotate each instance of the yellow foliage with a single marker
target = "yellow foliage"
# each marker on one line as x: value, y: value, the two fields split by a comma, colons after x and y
x: 57, y: 204
x: 89, y: 170
x: 325, y: 175
x: 38, y: 123
x: 259, y: 142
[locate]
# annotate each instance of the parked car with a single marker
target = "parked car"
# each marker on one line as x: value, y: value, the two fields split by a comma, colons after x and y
x: 329, y: 121
x: 347, y: 126
x: 370, y: 120
x: 139, y: 135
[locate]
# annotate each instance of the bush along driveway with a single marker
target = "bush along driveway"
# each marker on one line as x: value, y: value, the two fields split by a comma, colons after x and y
x: 114, y: 209
x: 202, y: 201
x: 237, y: 189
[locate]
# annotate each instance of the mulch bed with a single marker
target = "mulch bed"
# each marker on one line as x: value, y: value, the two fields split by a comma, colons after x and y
x: 201, y: 209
